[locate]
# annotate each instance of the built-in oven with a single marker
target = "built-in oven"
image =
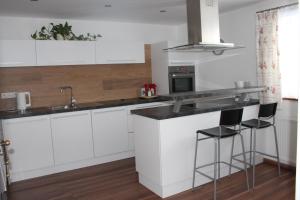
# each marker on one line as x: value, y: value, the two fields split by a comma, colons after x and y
x: 181, y: 79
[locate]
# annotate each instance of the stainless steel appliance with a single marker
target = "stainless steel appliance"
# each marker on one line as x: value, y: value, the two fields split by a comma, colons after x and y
x: 181, y: 79
x: 204, y: 29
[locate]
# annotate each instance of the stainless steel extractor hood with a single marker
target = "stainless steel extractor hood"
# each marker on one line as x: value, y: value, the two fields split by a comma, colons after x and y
x: 204, y: 29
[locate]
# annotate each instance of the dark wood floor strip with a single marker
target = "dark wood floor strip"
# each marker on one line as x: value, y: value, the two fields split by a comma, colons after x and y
x: 119, y: 181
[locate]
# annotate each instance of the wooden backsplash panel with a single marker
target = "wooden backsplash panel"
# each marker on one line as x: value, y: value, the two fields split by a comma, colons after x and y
x: 90, y: 82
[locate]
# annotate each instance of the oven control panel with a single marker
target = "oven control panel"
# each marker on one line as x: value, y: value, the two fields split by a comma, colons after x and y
x: 181, y: 69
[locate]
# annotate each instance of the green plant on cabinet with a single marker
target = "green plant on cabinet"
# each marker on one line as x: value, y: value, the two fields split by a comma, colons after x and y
x: 62, y: 32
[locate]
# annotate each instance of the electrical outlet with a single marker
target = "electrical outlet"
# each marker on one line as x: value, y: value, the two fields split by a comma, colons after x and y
x: 8, y: 95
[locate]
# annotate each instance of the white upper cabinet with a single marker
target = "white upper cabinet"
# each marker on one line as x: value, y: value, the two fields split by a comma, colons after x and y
x: 22, y: 53
x: 110, y: 131
x: 119, y: 52
x: 15, y: 53
x: 72, y: 137
x: 31, y: 143
x: 65, y: 52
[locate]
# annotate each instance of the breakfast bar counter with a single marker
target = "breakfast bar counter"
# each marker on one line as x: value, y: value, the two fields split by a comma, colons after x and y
x: 165, y: 143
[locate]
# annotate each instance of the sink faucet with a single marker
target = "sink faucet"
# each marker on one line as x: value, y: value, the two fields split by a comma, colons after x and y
x: 72, y: 99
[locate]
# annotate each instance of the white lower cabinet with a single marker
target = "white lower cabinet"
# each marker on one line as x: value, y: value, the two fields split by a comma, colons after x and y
x: 48, y: 144
x: 110, y: 131
x: 131, y: 134
x: 31, y: 143
x: 72, y: 137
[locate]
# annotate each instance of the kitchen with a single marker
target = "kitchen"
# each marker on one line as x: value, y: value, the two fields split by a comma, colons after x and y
x: 103, y: 79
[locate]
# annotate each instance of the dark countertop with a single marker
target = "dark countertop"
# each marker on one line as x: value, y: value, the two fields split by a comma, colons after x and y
x: 80, y: 107
x: 166, y: 112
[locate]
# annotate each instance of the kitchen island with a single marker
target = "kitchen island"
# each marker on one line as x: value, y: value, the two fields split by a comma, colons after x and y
x: 165, y: 143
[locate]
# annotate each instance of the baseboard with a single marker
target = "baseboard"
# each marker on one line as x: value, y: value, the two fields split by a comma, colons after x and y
x: 20, y: 176
x: 282, y: 165
x: 174, y: 188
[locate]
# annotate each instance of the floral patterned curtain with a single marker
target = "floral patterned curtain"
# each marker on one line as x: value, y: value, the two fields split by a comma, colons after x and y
x: 268, y: 71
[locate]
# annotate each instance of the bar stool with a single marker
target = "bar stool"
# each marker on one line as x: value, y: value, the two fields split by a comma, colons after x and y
x: 266, y: 112
x: 229, y: 119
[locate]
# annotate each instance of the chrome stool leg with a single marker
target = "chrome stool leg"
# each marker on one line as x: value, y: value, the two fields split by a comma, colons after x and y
x: 195, y: 161
x: 215, y: 169
x: 254, y: 155
x: 232, y: 147
x: 245, y: 160
x: 251, y: 147
x: 219, y: 159
x: 277, y: 149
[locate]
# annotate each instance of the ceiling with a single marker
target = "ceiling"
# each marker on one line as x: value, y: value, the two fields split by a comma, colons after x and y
x: 144, y: 11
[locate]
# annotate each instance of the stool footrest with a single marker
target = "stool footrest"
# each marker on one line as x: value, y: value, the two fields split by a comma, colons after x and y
x: 241, y: 161
x: 207, y: 165
x: 205, y: 175
x: 240, y: 154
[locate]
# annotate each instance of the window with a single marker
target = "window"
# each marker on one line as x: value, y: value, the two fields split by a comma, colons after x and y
x: 289, y: 49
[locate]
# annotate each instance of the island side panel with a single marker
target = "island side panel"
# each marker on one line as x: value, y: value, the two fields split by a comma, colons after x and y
x: 147, y: 151
x: 177, y: 140
x: 178, y: 137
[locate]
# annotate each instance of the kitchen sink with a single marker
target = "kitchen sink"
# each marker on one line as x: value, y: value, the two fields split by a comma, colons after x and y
x: 78, y: 106
x: 63, y: 107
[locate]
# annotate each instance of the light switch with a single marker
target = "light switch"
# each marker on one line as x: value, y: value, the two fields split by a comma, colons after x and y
x: 8, y: 95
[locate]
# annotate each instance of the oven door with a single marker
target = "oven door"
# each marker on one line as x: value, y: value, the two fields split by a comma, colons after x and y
x: 181, y: 83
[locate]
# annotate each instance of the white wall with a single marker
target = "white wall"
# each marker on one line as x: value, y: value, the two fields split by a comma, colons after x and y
x: 22, y: 28
x: 298, y: 159
x: 239, y: 26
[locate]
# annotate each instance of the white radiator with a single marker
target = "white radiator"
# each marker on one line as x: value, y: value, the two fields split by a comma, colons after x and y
x: 287, y: 139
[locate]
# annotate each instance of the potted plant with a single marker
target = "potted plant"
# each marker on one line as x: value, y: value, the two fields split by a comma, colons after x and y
x: 61, y: 32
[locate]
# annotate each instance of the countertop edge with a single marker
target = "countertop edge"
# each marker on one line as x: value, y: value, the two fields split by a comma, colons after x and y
x: 147, y: 112
x: 4, y: 115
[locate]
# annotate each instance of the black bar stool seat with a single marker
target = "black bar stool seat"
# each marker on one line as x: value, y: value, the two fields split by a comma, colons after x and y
x: 255, y: 123
x: 266, y: 112
x: 215, y: 132
x: 229, y: 120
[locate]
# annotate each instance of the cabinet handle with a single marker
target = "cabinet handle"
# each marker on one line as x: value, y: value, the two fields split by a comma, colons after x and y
x: 69, y: 115
x: 125, y: 60
x: 71, y: 62
x: 25, y: 119
x: 106, y: 111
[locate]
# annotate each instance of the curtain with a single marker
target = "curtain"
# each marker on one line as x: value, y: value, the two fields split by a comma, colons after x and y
x: 268, y: 71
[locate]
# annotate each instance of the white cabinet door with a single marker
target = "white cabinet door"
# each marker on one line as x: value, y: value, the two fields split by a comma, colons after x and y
x: 130, y: 121
x: 110, y: 131
x: 65, y: 52
x: 15, y: 53
x: 119, y: 52
x: 31, y: 143
x: 72, y: 137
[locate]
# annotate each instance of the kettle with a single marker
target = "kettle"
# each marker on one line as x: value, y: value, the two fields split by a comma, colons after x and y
x: 23, y: 101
